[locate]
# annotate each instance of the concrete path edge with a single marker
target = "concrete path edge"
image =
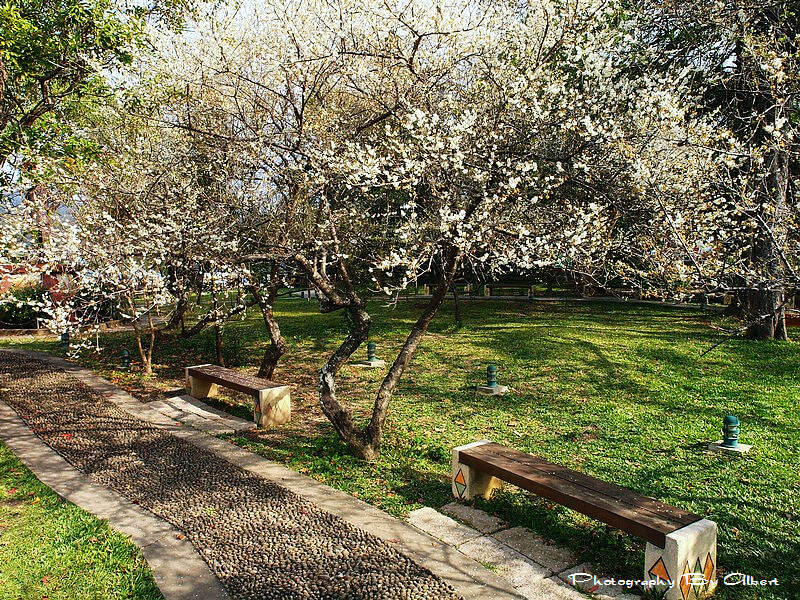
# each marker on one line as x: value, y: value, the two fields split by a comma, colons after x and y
x: 469, y: 578
x: 178, y: 570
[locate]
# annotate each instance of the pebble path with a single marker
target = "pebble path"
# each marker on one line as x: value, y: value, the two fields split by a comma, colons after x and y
x: 261, y: 540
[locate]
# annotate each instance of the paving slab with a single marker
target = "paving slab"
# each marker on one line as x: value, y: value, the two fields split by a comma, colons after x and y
x: 477, y: 519
x: 555, y: 558
x: 595, y: 585
x: 200, y: 415
x: 506, y: 561
x: 551, y: 588
x: 442, y: 527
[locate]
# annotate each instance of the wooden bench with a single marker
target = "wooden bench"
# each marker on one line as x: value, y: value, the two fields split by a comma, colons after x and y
x: 490, y: 289
x: 272, y: 406
x: 681, y: 546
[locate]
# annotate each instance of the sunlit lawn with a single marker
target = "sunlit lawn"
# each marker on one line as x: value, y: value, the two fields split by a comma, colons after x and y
x: 52, y: 549
x: 618, y: 391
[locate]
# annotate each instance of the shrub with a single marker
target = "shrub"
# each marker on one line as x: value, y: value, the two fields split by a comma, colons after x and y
x: 17, y: 310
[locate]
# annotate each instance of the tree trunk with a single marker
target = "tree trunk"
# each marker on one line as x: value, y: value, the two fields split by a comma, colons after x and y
x: 147, y: 366
x: 178, y: 314
x: 457, y: 304
x: 767, y: 309
x: 374, y: 431
x: 366, y: 444
x: 152, y: 326
x: 765, y: 302
x: 217, y: 328
x: 340, y: 416
x: 277, y: 345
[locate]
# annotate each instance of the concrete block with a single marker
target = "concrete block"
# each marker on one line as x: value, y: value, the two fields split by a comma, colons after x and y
x: 477, y: 519
x: 370, y: 364
x: 508, y: 563
x: 550, y: 588
x: 440, y: 526
x: 523, y: 540
x: 688, y: 562
x: 273, y: 407
x: 739, y: 449
x: 468, y: 482
x: 197, y: 388
x: 485, y: 390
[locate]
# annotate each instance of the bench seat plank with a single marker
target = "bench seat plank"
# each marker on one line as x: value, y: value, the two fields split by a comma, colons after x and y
x: 639, y: 515
x: 679, y: 516
x: 240, y: 382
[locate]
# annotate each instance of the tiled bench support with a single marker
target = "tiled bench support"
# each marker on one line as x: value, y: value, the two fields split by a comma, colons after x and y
x: 688, y: 562
x: 273, y: 407
x: 681, y: 551
x: 468, y: 482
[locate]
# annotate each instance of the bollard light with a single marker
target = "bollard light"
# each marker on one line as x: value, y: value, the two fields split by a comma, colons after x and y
x: 371, y: 351
x: 730, y: 432
x: 491, y: 376
x: 64, y: 340
x: 125, y: 359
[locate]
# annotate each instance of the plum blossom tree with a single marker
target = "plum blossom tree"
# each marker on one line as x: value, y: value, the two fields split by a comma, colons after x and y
x: 741, y: 61
x: 395, y: 139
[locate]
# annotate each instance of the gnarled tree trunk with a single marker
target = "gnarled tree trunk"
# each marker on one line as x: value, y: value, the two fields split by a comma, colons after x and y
x: 277, y: 345
x: 179, y: 312
x: 765, y: 302
x: 340, y: 416
x: 374, y: 431
x: 366, y: 443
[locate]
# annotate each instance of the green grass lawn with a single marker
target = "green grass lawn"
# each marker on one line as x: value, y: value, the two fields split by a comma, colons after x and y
x: 614, y: 390
x: 52, y: 549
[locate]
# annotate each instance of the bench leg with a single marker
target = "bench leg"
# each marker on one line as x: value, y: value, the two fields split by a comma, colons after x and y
x: 687, y: 565
x: 273, y: 407
x: 200, y: 389
x: 468, y: 482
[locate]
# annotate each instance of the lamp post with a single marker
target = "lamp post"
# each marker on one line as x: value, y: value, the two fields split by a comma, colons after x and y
x: 125, y: 359
x: 730, y: 432
x: 491, y: 376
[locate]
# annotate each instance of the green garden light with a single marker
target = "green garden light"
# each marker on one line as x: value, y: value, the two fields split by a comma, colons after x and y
x: 125, y: 359
x: 64, y: 340
x: 491, y: 388
x: 372, y: 360
x: 730, y: 438
x: 730, y: 432
x: 491, y: 376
